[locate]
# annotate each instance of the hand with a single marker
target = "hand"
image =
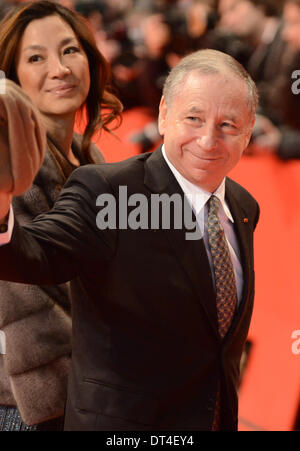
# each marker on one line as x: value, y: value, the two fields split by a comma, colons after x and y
x: 22, y: 141
x: 5, y: 201
x: 6, y: 181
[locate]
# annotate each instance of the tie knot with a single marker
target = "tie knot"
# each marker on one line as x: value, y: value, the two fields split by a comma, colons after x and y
x: 213, y: 204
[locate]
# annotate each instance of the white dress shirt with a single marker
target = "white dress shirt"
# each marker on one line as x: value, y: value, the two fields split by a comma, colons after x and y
x: 198, y: 200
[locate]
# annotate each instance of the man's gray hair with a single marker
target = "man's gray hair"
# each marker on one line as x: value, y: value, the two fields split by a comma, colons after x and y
x: 208, y: 62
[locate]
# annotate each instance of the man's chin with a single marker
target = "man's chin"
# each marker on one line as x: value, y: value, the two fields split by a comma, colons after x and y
x: 205, y: 181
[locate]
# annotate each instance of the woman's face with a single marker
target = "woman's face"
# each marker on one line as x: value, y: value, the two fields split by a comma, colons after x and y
x: 52, y: 67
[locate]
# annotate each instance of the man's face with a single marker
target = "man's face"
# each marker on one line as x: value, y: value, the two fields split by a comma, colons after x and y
x: 241, y: 17
x: 206, y: 127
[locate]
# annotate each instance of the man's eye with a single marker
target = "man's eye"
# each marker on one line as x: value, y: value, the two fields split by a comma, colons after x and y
x: 193, y: 118
x: 228, y: 125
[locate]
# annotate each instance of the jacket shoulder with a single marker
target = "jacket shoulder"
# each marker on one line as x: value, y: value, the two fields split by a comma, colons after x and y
x: 239, y: 191
x: 126, y: 172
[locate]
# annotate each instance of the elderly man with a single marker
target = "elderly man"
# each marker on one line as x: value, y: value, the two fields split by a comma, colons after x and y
x: 160, y: 314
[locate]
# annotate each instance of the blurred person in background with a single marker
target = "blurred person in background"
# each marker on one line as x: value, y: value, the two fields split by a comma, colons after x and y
x: 107, y: 21
x: 200, y: 17
x: 277, y: 130
x: 159, y: 40
x: 110, y: 25
x: 50, y: 52
x: 272, y: 62
x: 6, y: 5
x: 202, y: 27
x: 257, y: 22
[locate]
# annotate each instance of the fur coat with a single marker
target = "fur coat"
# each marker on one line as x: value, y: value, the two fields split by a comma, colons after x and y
x: 36, y: 320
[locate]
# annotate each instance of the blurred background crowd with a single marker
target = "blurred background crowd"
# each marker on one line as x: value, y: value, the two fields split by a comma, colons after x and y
x: 143, y: 39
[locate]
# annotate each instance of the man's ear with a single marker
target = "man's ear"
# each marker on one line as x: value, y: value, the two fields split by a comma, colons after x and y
x: 162, y: 116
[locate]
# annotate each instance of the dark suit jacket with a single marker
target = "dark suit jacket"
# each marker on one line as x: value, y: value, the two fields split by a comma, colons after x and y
x: 146, y: 350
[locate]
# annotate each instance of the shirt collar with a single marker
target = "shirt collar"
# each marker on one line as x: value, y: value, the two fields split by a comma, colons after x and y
x: 196, y: 195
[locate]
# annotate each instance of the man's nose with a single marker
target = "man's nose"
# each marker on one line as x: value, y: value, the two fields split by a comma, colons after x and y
x: 207, y: 138
x: 57, y: 69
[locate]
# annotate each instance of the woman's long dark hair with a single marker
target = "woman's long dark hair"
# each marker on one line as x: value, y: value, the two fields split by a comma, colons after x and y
x: 101, y: 106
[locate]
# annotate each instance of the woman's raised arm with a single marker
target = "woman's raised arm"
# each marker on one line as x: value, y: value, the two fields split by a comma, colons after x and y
x: 22, y: 144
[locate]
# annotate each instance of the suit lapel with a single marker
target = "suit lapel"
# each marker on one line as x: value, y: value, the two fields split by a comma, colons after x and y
x: 191, y: 254
x: 244, y: 236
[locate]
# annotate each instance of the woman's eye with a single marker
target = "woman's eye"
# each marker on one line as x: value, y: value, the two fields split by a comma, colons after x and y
x: 70, y: 50
x: 34, y: 58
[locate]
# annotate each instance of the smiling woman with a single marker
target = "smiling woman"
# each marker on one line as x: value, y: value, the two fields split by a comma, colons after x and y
x: 27, y: 23
x: 50, y: 52
x: 53, y: 68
